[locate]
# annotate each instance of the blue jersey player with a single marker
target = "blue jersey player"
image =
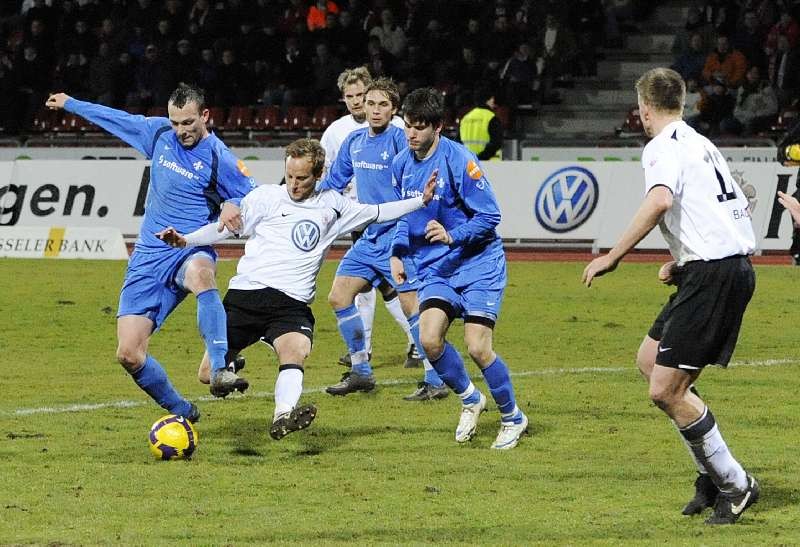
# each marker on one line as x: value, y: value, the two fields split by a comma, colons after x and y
x: 192, y: 177
x: 454, y: 251
x: 367, y: 155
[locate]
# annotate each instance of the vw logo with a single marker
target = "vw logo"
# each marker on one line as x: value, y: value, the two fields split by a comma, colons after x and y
x: 305, y: 235
x: 566, y: 199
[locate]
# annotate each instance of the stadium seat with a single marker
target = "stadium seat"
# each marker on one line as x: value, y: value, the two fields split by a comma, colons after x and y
x: 157, y: 112
x: 266, y: 118
x: 450, y: 121
x: 324, y: 116
x: 240, y: 118
x: 216, y: 118
x: 632, y: 126
x: 786, y: 120
x: 44, y: 120
x: 70, y: 123
x: 504, y: 113
x: 297, y: 118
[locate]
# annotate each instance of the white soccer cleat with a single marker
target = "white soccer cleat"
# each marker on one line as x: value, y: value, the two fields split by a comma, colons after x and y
x: 468, y: 422
x: 509, y: 434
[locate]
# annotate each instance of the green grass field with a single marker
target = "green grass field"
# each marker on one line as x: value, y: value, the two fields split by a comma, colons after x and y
x: 603, y: 465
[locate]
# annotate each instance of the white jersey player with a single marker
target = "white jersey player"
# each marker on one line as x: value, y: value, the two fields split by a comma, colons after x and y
x: 705, y: 218
x: 353, y: 84
x: 290, y: 229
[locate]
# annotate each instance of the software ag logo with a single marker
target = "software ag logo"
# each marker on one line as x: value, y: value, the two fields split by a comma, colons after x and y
x: 566, y: 199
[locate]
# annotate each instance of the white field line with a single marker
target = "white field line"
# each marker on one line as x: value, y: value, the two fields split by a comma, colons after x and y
x: 391, y: 382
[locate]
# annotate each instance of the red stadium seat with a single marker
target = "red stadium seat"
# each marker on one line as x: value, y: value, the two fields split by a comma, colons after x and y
x: 297, y: 118
x: 240, y: 118
x: 324, y: 116
x: 70, y: 123
x: 632, y: 126
x: 504, y: 113
x: 786, y: 120
x: 266, y: 118
x: 45, y: 119
x: 216, y: 118
x: 157, y: 112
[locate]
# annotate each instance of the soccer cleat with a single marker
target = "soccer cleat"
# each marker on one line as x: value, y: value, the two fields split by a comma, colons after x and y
x: 194, y: 414
x: 351, y: 383
x: 510, y: 433
x: 225, y: 382
x: 237, y: 364
x: 705, y: 495
x: 413, y: 357
x: 299, y: 418
x: 345, y: 361
x: 468, y: 422
x: 729, y: 507
x: 427, y: 392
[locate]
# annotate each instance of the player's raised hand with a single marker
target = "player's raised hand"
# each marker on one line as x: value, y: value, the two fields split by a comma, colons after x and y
x: 597, y: 267
x: 666, y: 272
x: 230, y: 217
x: 171, y: 237
x: 792, y: 205
x: 435, y: 233
x: 430, y: 188
x: 56, y: 101
x: 398, y: 270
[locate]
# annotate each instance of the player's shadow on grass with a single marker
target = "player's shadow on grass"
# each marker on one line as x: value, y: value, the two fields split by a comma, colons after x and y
x: 775, y: 497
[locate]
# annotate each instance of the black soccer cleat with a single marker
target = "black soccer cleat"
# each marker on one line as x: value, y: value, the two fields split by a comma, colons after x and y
x: 299, y: 418
x: 352, y: 383
x: 705, y: 495
x: 237, y: 364
x: 729, y: 507
x: 194, y: 414
x: 413, y: 357
x: 225, y: 382
x: 427, y: 392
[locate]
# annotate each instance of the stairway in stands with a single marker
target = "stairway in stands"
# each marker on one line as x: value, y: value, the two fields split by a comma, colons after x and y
x: 597, y: 105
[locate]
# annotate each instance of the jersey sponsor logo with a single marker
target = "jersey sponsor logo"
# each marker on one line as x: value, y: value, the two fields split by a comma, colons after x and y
x: 566, y: 199
x: 474, y: 170
x: 175, y: 168
x: 242, y: 168
x: 361, y: 164
x: 305, y: 235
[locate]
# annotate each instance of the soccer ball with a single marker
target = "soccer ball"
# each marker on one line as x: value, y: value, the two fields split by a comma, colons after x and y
x: 172, y: 438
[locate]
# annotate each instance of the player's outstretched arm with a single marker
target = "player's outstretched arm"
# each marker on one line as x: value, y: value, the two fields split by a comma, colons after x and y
x: 207, y: 235
x: 792, y: 205
x: 171, y: 237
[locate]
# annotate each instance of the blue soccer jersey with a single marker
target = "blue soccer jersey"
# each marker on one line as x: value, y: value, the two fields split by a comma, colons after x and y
x: 464, y: 204
x: 368, y: 158
x: 187, y: 185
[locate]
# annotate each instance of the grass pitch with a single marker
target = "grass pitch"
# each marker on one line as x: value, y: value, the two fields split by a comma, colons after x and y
x: 603, y: 466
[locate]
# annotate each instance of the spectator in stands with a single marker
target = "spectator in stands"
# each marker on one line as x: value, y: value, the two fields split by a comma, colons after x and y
x: 8, y: 92
x: 555, y: 48
x: 749, y: 39
x: 110, y: 35
x: 207, y: 74
x: 249, y: 44
x: 724, y: 64
x: 184, y: 64
x: 786, y: 26
x: 295, y: 73
x: 82, y: 40
x: 101, y: 76
x: 317, y: 17
x: 234, y: 81
x: 141, y: 13
x: 695, y: 24
x: 586, y: 23
x: 379, y: 61
x: 784, y: 71
x: 164, y: 38
x: 501, y: 40
x: 38, y: 37
x: 152, y: 80
x: 175, y: 15
x: 756, y: 106
x: 326, y: 70
x: 33, y: 81
x: 72, y: 74
x: 468, y: 72
x: 205, y: 17
x: 480, y: 129
x: 392, y: 37
x: 350, y: 41
x: 518, y: 76
x: 691, y: 62
x: 717, y: 105
x: 414, y: 69
x: 124, y: 80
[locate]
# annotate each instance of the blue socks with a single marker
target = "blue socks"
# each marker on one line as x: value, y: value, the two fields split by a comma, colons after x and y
x: 153, y: 380
x: 431, y: 377
x: 451, y: 370
x: 499, y: 382
x: 351, y: 328
x: 211, y: 321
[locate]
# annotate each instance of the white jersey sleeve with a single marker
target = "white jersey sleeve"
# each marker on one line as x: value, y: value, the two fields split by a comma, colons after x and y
x: 661, y: 166
x: 254, y: 207
x: 352, y: 215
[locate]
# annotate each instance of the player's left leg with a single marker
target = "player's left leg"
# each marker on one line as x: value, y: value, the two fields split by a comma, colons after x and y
x: 198, y: 275
x: 391, y: 300
x: 292, y: 349
x: 432, y: 386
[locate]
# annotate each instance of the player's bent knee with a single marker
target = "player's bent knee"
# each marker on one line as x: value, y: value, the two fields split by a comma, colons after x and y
x: 432, y: 344
x: 662, y: 396
x: 131, y: 359
x: 481, y: 353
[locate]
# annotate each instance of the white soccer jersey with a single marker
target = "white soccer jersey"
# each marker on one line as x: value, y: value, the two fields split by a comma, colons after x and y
x: 709, y: 218
x: 288, y: 239
x: 334, y: 136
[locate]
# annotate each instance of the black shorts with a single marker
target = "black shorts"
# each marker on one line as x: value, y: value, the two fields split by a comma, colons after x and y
x: 700, y: 324
x: 264, y: 314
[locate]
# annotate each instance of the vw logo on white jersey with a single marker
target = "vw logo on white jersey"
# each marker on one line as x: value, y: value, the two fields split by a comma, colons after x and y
x: 305, y: 235
x: 566, y: 199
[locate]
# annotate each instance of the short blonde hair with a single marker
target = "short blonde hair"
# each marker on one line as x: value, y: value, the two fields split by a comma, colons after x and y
x: 353, y: 75
x: 662, y: 89
x: 308, y: 148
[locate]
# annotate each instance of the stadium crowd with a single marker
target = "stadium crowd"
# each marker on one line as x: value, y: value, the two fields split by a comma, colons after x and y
x: 131, y: 53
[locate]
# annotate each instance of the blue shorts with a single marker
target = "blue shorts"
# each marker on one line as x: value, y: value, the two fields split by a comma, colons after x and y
x: 369, y: 260
x: 153, y: 285
x: 475, y: 290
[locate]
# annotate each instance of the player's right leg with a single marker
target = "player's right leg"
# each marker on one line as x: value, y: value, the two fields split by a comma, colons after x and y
x: 351, y: 327
x: 392, y: 301
x: 292, y: 349
x: 133, y: 336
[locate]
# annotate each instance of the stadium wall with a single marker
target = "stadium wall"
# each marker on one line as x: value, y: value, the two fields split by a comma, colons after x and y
x: 545, y: 204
